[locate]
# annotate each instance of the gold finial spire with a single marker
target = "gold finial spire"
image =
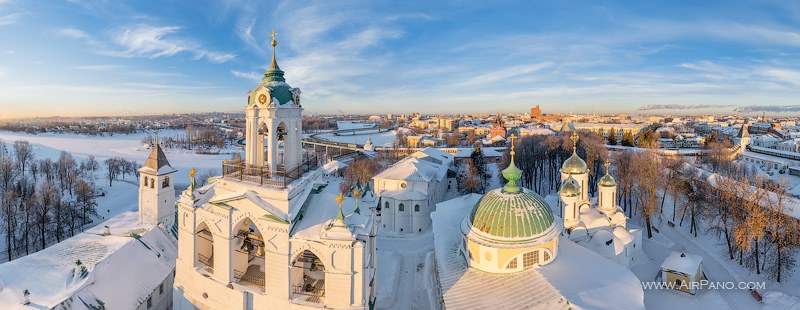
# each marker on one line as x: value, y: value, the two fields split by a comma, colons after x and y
x: 192, y: 173
x: 512, y: 137
x: 340, y: 216
x: 273, y: 35
x: 274, y: 63
x: 340, y: 199
x: 607, y: 164
x: 574, y: 138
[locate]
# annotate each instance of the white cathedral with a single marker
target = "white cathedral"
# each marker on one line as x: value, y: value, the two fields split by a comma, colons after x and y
x: 599, y: 225
x: 268, y: 233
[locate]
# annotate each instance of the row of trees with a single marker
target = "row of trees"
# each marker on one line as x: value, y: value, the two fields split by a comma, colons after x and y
x: 43, y: 201
x: 198, y: 138
x: 540, y: 158
x: 120, y: 167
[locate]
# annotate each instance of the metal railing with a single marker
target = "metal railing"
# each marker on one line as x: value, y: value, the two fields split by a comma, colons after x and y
x: 262, y: 175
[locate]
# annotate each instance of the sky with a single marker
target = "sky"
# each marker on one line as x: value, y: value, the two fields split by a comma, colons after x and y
x: 114, y: 57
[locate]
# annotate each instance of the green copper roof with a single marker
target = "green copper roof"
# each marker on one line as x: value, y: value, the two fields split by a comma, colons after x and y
x: 282, y: 92
x: 574, y: 164
x: 274, y: 73
x: 520, y: 215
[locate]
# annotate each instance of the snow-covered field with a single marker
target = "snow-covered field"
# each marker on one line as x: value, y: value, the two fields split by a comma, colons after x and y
x: 126, y: 146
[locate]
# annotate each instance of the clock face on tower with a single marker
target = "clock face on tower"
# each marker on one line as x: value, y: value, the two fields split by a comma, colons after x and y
x: 262, y: 98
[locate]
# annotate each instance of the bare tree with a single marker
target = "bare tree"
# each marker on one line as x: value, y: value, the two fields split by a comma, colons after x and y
x: 23, y: 153
x: 85, y: 200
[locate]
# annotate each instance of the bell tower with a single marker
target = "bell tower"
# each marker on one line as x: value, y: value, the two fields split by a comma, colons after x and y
x: 274, y: 121
x: 157, y: 189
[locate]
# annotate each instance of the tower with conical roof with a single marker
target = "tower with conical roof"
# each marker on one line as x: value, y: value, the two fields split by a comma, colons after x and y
x: 273, y: 121
x: 575, y: 166
x: 743, y: 138
x: 156, y: 189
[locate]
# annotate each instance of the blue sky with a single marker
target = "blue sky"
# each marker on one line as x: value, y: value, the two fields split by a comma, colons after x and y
x: 113, y: 57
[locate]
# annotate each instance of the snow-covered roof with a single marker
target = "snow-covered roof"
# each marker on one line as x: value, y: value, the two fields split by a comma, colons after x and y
x: 333, y: 166
x: 321, y: 209
x: 577, y: 278
x: 157, y: 162
x: 421, y: 166
x: 682, y: 262
x: 115, y: 263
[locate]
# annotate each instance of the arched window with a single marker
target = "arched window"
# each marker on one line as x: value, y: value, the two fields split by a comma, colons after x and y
x: 386, y: 205
x: 402, y: 207
x: 165, y: 183
x: 152, y: 183
x: 416, y: 208
x: 512, y: 264
x: 546, y: 256
x: 146, y: 179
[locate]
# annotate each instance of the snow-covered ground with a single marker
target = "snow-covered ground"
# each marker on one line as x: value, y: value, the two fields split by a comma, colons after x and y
x: 126, y: 146
x: 716, y: 266
x: 403, y: 272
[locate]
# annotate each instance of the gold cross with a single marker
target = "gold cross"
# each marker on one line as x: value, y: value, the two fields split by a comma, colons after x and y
x: 512, y: 137
x: 574, y: 140
x: 273, y: 35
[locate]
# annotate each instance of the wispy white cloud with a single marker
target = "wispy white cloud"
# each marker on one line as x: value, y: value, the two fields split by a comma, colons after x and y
x: 783, y: 75
x: 505, y: 74
x: 244, y: 29
x: 146, y: 41
x: 99, y: 67
x: 74, y: 33
x: 10, y: 19
x: 252, y: 76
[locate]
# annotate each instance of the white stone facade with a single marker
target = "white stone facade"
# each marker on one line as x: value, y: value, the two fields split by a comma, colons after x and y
x: 410, y: 189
